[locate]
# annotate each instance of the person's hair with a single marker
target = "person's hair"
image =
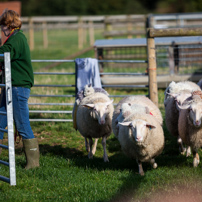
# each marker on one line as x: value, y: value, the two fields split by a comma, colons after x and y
x: 11, y: 19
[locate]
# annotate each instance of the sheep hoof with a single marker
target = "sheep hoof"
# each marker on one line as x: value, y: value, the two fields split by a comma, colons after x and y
x: 106, y: 159
x: 183, y: 151
x: 188, y: 153
x: 141, y: 173
x: 90, y: 156
x: 155, y: 165
x: 195, y: 162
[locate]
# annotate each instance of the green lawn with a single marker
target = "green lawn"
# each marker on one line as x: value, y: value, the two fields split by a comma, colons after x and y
x: 66, y: 173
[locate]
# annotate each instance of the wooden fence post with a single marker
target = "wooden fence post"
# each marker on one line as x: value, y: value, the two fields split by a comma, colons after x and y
x: 129, y: 27
x: 84, y: 33
x: 151, y: 54
x: 45, y: 35
x: 108, y: 26
x: 91, y: 32
x: 171, y: 59
x: 80, y: 34
x: 31, y: 34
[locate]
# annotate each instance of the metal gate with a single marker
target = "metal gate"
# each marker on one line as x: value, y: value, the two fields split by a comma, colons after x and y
x: 73, y: 85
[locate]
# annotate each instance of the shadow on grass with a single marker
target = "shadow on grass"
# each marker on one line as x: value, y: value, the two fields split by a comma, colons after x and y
x: 118, y: 161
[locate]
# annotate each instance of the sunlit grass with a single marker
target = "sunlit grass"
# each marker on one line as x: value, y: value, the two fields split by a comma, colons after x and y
x: 66, y: 173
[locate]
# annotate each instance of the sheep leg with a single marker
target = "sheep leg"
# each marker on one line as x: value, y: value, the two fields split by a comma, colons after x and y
x: 153, y: 163
x: 181, y: 147
x: 94, y: 146
x: 141, y: 172
x: 90, y: 154
x: 196, y: 159
x: 105, y: 150
x: 87, y: 145
x: 188, y: 151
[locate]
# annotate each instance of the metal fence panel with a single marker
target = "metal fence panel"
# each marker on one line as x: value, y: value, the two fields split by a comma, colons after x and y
x: 103, y: 74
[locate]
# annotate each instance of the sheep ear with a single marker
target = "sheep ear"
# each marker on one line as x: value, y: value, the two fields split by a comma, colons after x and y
x: 110, y: 102
x: 129, y: 123
x: 89, y: 105
x: 172, y: 94
x: 150, y: 125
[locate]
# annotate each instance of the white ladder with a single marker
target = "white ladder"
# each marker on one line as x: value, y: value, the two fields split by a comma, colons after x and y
x: 9, y: 130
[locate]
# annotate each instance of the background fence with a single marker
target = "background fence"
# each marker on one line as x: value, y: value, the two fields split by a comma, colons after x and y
x: 90, y: 28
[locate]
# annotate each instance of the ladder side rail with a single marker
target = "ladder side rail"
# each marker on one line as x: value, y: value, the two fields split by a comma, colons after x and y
x: 9, y: 104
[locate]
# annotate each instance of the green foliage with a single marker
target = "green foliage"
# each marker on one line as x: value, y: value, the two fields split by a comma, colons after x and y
x: 106, y: 7
x: 87, y: 7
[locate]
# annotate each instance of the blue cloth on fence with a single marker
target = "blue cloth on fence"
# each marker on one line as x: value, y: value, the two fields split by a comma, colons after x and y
x: 87, y: 73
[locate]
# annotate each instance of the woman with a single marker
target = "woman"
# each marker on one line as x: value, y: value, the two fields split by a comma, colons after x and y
x: 22, y: 80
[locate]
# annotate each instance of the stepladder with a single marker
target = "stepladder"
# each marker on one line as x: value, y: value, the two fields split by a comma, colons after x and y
x: 6, y: 84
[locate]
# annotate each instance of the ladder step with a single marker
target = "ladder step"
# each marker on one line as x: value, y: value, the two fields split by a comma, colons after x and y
x: 3, y: 130
x: 5, y: 179
x: 3, y: 113
x: 3, y: 146
x: 4, y: 163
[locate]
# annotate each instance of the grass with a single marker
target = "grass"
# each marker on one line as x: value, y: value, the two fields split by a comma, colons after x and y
x: 66, y: 173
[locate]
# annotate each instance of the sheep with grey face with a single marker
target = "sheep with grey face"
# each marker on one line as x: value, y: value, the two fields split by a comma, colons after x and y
x: 141, y: 137
x: 93, y: 119
x: 175, y: 95
x: 190, y: 126
x: 134, y: 104
x: 200, y: 83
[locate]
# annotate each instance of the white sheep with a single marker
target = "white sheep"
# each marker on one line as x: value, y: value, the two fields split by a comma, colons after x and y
x: 134, y: 104
x: 174, y: 89
x: 141, y: 137
x: 93, y: 117
x: 190, y: 126
x: 176, y: 94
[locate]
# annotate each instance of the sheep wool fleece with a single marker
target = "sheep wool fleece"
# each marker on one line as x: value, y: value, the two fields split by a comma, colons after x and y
x: 150, y: 148
x: 88, y: 126
x: 191, y: 136
x: 139, y: 100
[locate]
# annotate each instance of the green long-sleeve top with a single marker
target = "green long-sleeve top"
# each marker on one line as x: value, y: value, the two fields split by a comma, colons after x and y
x: 21, y: 67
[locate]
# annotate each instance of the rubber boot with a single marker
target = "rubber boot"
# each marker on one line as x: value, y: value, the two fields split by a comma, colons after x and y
x: 1, y: 142
x: 31, y: 149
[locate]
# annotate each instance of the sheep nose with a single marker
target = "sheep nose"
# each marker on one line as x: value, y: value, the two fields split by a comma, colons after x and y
x: 102, y: 122
x: 197, y: 123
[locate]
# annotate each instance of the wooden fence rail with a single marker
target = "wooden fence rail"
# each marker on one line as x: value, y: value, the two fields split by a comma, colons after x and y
x: 113, y: 26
